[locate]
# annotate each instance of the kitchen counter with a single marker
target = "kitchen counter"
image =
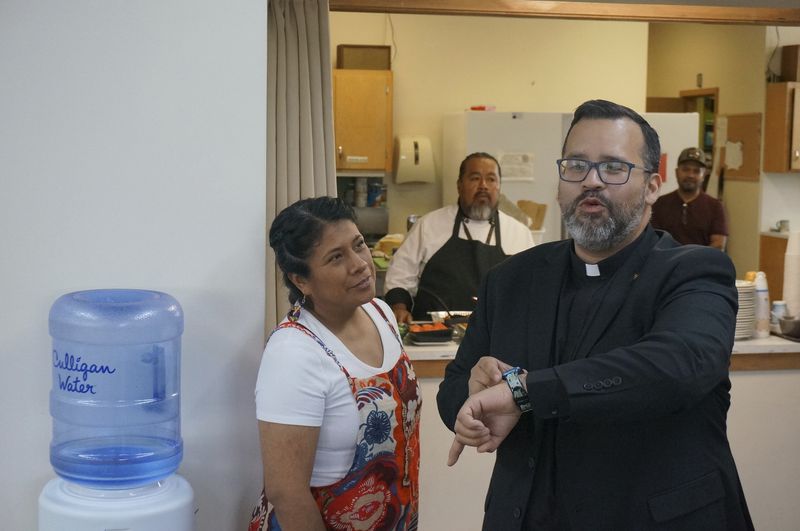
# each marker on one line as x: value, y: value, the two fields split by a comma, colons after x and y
x: 767, y: 354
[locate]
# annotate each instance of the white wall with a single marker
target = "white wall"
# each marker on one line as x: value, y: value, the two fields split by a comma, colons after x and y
x: 132, y: 154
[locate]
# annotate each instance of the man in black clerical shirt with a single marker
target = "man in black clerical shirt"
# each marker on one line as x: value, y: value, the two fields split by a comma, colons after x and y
x: 597, y: 366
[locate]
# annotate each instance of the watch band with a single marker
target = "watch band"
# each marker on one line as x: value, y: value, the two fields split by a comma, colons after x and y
x: 511, y: 376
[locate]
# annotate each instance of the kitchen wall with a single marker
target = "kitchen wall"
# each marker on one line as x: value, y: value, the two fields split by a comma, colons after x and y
x: 677, y: 53
x: 132, y: 154
x: 444, y: 64
x: 780, y: 192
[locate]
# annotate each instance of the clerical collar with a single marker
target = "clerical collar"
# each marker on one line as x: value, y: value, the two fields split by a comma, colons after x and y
x: 606, y: 268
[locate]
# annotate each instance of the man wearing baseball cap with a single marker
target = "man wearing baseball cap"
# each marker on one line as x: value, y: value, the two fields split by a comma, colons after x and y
x: 688, y: 213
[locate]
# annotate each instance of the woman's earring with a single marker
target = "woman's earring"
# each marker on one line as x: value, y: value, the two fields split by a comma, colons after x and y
x: 294, y: 313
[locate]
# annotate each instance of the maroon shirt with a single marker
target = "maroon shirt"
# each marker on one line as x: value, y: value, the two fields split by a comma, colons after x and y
x: 692, y: 222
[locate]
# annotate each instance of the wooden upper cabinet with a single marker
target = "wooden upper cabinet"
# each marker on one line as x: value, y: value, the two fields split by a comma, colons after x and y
x: 794, y: 155
x: 782, y: 128
x: 362, y: 119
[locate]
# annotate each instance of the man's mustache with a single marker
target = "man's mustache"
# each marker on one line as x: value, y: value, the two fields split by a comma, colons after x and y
x: 591, y: 195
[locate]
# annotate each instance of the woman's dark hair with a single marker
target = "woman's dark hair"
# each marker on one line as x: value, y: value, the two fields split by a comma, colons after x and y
x: 478, y: 155
x: 607, y: 110
x: 297, y: 229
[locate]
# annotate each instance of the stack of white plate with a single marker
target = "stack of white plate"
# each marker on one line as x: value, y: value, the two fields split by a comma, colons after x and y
x: 746, y: 316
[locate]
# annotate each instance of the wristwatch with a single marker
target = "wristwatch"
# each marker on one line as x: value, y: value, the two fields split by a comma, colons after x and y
x: 511, y: 376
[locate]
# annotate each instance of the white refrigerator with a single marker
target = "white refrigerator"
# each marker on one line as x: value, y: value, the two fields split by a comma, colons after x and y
x: 527, y: 145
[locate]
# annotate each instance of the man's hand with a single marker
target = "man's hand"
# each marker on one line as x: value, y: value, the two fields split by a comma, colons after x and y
x: 401, y: 313
x: 486, y: 373
x: 484, y: 421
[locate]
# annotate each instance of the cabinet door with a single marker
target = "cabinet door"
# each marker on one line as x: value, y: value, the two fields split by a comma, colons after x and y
x: 780, y: 143
x: 362, y: 115
x: 794, y: 156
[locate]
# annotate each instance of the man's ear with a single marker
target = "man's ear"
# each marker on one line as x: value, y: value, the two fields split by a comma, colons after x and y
x: 653, y: 188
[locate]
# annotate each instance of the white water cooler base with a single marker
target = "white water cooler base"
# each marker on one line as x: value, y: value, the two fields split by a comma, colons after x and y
x: 164, y: 506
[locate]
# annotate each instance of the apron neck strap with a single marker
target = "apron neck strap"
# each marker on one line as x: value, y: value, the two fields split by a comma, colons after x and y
x: 494, y: 222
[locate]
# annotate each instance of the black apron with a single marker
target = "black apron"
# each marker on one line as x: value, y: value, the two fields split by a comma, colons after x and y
x: 452, y: 276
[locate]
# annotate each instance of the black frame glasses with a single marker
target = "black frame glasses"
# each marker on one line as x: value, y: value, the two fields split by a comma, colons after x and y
x: 614, y: 172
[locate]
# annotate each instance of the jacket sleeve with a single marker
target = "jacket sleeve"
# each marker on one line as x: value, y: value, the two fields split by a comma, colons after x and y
x: 680, y: 357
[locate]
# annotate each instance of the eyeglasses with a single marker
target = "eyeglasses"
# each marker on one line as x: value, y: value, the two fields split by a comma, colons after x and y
x: 609, y: 171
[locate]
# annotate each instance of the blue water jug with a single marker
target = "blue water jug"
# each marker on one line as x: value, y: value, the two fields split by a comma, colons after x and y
x: 115, y: 397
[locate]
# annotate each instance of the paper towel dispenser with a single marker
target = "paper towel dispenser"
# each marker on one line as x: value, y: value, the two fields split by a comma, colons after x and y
x: 413, y: 160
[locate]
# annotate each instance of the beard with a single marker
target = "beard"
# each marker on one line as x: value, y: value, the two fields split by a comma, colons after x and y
x: 689, y: 186
x: 596, y: 233
x: 479, y: 212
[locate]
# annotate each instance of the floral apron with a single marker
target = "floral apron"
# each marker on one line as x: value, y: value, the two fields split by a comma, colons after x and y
x: 381, y: 489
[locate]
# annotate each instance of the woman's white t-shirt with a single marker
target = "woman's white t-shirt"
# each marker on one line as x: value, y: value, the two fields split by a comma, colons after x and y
x: 299, y: 384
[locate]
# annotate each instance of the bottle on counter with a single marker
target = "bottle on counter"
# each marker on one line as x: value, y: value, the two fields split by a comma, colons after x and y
x: 361, y: 192
x: 350, y: 194
x: 762, y: 308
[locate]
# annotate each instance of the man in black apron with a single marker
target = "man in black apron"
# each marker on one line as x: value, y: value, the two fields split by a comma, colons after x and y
x: 446, y: 272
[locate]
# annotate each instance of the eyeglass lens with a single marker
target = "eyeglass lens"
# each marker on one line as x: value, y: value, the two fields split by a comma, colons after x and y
x: 610, y: 172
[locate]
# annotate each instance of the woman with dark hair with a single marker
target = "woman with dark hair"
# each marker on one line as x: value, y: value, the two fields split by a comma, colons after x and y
x: 337, y: 398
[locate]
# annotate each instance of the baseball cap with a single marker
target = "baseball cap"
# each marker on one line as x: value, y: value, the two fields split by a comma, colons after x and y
x: 692, y: 155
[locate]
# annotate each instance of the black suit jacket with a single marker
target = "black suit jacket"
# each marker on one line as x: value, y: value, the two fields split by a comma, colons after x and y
x: 641, y: 442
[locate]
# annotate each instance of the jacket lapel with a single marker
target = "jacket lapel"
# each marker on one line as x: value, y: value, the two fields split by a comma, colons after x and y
x: 547, y: 279
x: 616, y: 294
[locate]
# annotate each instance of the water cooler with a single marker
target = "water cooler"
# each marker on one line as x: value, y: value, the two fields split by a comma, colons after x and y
x: 115, y: 405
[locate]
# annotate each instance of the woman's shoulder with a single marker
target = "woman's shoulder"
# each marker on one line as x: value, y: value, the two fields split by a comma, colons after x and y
x: 290, y: 340
x: 293, y: 343
x: 379, y: 308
